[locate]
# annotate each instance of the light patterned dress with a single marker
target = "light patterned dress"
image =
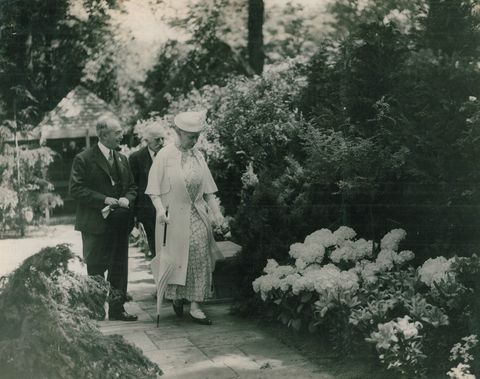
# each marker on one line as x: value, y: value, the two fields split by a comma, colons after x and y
x: 199, y: 276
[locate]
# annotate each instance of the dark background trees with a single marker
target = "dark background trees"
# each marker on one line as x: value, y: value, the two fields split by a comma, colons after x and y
x: 44, y: 47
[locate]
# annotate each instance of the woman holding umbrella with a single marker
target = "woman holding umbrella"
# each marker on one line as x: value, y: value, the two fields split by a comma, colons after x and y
x: 182, y: 191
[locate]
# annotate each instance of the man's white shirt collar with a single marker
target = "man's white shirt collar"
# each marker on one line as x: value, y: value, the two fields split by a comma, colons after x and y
x: 105, y: 150
x: 152, y: 153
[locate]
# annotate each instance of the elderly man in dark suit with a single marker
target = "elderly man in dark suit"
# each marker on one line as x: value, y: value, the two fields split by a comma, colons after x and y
x: 140, y: 162
x: 102, y: 184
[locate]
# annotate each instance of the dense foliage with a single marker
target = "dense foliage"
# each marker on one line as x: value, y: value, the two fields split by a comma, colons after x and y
x: 43, y: 49
x: 404, y: 105
x: 47, y: 330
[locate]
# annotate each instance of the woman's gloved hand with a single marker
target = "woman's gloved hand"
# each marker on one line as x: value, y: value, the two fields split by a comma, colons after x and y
x: 162, y: 216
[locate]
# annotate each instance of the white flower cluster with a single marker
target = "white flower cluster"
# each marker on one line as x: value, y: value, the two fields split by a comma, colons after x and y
x: 313, y: 249
x: 352, y: 251
x: 392, y: 239
x: 462, y: 371
x: 434, y: 270
x: 461, y: 350
x: 385, y: 261
x: 334, y: 286
x: 328, y: 280
x: 277, y: 277
x: 390, y: 333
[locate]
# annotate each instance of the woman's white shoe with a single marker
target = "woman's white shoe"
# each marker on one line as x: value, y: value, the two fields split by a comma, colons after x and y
x: 199, y: 317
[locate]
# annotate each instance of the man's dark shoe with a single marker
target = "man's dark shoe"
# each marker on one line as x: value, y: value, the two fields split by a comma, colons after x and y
x: 122, y: 316
x: 178, y: 307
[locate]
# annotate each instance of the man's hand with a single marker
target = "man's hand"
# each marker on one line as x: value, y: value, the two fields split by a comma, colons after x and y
x: 123, y: 202
x: 111, y: 201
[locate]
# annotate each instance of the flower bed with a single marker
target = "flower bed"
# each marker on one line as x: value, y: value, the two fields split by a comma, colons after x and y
x: 356, y: 292
x: 46, y: 326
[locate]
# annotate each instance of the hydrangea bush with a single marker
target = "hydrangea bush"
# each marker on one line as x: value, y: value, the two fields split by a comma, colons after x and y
x: 358, y: 291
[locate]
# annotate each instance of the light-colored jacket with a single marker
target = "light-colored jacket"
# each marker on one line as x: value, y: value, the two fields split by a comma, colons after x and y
x: 166, y: 180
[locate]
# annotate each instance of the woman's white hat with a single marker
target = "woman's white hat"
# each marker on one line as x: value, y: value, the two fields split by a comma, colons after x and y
x: 192, y: 122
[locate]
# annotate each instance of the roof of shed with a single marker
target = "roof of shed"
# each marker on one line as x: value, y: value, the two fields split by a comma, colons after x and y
x: 75, y: 115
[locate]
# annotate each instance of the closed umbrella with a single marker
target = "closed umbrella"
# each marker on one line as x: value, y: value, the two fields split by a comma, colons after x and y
x: 162, y: 268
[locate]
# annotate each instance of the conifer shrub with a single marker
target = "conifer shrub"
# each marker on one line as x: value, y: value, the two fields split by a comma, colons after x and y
x: 47, y: 324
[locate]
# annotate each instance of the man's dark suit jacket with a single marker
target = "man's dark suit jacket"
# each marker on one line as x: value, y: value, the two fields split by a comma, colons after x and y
x: 140, y: 162
x: 90, y: 184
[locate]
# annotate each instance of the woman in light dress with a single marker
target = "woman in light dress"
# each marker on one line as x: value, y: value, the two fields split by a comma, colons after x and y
x: 182, y: 191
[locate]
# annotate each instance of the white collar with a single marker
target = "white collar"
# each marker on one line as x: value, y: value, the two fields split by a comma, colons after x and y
x: 152, y: 153
x: 105, y: 150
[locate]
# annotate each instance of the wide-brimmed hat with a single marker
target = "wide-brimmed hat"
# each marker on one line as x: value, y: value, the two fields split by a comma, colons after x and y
x: 192, y: 122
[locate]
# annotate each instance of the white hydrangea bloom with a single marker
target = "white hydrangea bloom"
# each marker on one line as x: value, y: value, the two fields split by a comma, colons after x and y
x: 256, y: 284
x: 342, y: 234
x: 296, y: 249
x: 299, y: 285
x: 322, y: 237
x: 345, y: 253
x: 392, y: 239
x: 300, y: 264
x: 385, y: 260
x: 271, y: 266
x: 434, y: 270
x: 404, y: 256
x: 352, y: 251
x: 364, y: 248
x: 369, y: 272
x: 309, y: 253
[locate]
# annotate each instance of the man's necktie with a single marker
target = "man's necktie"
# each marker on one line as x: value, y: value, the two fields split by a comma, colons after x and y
x: 110, y: 158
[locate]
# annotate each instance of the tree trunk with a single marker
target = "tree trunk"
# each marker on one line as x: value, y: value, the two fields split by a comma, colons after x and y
x: 256, y: 55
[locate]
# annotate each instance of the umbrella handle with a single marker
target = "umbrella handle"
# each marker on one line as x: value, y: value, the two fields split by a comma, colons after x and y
x: 165, y: 229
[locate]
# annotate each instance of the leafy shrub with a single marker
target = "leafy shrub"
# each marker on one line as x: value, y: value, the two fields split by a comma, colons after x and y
x: 30, y: 188
x: 351, y: 291
x: 46, y: 329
